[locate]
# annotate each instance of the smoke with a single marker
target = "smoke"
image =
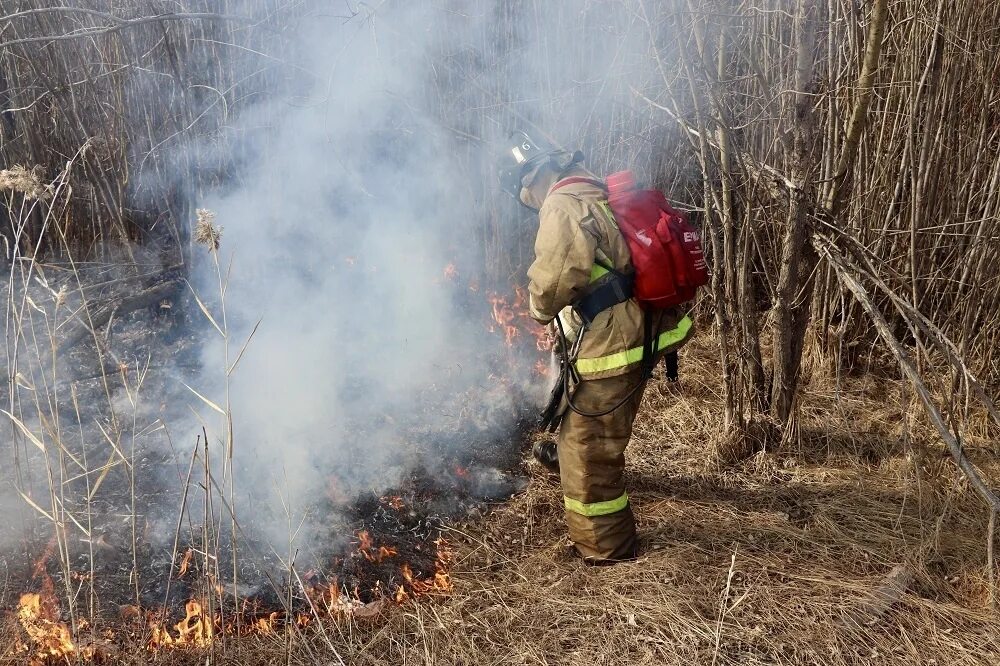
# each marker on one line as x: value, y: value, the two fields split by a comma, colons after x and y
x: 348, y: 213
x: 364, y: 232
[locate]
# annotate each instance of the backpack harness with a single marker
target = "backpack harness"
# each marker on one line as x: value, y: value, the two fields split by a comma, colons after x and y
x: 668, y: 265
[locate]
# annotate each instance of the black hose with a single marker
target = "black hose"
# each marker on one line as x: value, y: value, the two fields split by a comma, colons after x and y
x: 568, y: 367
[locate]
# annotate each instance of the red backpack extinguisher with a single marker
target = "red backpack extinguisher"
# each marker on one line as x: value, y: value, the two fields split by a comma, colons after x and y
x: 666, y: 250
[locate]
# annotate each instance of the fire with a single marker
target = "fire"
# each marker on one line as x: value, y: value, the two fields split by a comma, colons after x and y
x: 450, y: 271
x: 50, y: 638
x: 195, y: 630
x: 504, y: 315
x: 367, y: 549
x: 395, y: 502
x: 185, y: 563
x: 38, y: 614
x: 335, y: 492
x: 266, y: 626
x: 439, y: 583
x: 513, y: 318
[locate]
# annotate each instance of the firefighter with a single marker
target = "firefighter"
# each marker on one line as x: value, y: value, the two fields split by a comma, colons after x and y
x: 578, y: 247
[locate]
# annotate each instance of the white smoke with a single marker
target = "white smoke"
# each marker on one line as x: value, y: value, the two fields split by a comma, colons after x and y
x: 339, y: 234
x: 354, y: 197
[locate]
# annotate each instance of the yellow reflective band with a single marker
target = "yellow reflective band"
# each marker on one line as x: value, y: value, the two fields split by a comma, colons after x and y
x: 597, y: 508
x: 597, y: 271
x: 587, y: 366
x: 607, y: 211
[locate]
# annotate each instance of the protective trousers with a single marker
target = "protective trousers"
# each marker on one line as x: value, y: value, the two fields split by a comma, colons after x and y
x: 592, y: 468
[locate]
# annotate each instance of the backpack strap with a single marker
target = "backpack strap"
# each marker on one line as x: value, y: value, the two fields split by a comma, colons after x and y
x: 613, y: 287
x: 578, y: 179
x: 608, y: 291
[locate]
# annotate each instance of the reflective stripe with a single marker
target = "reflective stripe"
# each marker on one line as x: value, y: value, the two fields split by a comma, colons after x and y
x: 607, y: 211
x: 587, y: 366
x: 597, y: 271
x: 596, y: 508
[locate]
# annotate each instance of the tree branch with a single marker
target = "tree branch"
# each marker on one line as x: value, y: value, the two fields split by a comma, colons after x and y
x: 859, y: 115
x: 849, y: 280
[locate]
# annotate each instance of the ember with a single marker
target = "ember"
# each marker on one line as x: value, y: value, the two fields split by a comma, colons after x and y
x: 395, y: 502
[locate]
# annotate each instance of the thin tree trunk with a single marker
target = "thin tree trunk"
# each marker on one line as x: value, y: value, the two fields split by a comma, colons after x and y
x: 791, y: 310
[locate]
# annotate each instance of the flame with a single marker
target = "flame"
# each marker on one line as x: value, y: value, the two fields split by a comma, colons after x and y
x: 267, y: 625
x: 185, y: 563
x: 513, y: 318
x: 439, y: 583
x: 50, y: 638
x: 367, y: 549
x: 335, y: 492
x: 38, y: 613
x: 196, y: 629
x: 504, y: 315
x: 51, y: 641
x: 450, y: 272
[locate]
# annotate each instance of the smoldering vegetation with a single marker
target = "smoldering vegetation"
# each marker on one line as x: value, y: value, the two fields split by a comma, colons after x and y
x: 348, y: 337
x: 299, y: 288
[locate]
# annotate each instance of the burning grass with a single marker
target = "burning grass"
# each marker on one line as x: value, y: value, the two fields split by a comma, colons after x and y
x: 777, y: 560
x: 361, y: 583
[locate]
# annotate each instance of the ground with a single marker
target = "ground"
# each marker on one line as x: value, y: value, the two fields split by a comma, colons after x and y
x: 786, y: 558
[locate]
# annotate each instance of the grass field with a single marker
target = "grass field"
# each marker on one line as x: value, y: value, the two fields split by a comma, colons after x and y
x: 858, y: 546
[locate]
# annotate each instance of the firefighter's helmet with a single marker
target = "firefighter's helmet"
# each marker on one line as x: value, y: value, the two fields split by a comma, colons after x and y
x: 518, y: 158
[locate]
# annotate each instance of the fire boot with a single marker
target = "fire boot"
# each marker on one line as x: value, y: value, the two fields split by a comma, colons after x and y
x: 628, y: 556
x: 546, y: 453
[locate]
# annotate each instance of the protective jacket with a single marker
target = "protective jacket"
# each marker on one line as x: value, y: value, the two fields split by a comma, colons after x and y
x: 577, y: 241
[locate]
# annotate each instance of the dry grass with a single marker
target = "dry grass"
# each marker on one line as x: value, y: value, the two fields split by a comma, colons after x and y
x: 767, y: 562
x: 29, y: 182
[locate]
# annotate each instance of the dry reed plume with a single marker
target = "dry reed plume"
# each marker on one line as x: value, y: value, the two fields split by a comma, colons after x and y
x: 29, y: 182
